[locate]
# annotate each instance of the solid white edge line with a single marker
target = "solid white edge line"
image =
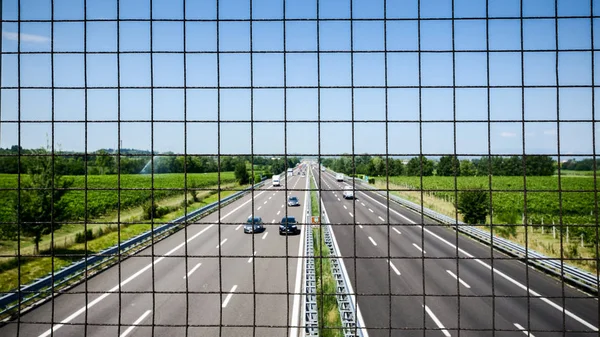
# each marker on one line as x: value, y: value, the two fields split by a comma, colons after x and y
x: 265, y: 235
x: 193, y: 270
x: 457, y: 278
x: 229, y: 296
x: 506, y: 277
x: 294, y: 331
x: 394, y: 268
x: 138, y: 321
x: 397, y: 231
x: 359, y: 318
x: 373, y: 241
x: 437, y: 321
x: 523, y: 330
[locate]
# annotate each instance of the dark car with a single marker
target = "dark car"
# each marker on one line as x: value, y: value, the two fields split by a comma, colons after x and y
x: 293, y: 201
x: 288, y: 225
x: 254, y: 225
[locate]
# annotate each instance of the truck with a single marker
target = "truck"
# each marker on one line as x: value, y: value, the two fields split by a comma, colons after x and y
x: 290, y: 172
x: 276, y: 181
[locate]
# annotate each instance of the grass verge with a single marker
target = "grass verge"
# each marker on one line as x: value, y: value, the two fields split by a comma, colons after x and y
x: 31, y: 268
x: 330, y: 324
x: 314, y: 200
x: 539, y: 240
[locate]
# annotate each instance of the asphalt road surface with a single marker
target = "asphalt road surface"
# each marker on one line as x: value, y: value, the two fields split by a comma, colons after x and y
x: 412, y: 280
x: 208, y: 280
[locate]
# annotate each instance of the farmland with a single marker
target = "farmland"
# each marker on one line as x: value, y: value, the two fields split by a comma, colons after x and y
x: 101, y: 194
x: 575, y: 201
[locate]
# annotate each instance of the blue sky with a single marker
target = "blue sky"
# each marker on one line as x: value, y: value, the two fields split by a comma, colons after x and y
x: 176, y: 122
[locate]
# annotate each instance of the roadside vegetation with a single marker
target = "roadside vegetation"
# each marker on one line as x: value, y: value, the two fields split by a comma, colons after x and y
x: 330, y: 324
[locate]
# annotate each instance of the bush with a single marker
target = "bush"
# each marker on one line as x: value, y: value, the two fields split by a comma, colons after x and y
x: 150, y: 210
x: 371, y: 180
x: 84, y: 236
x: 473, y: 205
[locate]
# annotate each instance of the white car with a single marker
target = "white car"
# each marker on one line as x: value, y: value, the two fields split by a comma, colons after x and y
x: 339, y: 177
x: 348, y: 192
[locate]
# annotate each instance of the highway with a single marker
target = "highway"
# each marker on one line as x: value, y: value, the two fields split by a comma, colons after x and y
x: 208, y: 280
x: 409, y: 277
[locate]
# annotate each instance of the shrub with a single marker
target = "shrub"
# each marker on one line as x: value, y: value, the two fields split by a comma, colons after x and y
x: 150, y: 209
x: 473, y: 205
x: 83, y: 236
x: 371, y: 180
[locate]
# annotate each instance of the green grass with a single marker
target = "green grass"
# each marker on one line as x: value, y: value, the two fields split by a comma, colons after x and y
x: 34, y: 267
x: 314, y: 200
x: 576, y: 173
x: 330, y: 324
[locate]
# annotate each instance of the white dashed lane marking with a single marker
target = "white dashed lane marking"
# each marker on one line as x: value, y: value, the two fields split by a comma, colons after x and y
x: 397, y: 231
x: 373, y: 241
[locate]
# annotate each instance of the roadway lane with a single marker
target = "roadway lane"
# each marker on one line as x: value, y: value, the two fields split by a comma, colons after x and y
x: 482, y: 306
x: 189, y: 285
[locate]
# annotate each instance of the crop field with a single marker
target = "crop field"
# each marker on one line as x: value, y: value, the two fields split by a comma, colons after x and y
x: 105, y: 191
x: 575, y: 201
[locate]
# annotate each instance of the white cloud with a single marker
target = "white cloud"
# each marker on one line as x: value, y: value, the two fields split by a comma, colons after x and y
x: 25, y: 37
x: 508, y: 134
x: 550, y: 132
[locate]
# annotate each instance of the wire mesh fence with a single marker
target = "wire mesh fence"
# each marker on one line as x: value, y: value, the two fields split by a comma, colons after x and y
x: 214, y: 168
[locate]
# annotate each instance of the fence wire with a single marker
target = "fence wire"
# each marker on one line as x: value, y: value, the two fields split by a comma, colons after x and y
x: 145, y: 149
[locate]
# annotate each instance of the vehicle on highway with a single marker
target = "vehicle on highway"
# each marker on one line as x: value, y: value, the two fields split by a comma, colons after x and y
x: 348, y: 192
x: 293, y: 201
x: 288, y: 225
x: 254, y: 225
x: 276, y: 181
x: 290, y: 172
x: 339, y: 177
x: 323, y: 169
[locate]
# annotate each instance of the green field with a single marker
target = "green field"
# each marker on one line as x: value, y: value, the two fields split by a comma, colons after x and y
x: 103, y: 191
x: 575, y: 201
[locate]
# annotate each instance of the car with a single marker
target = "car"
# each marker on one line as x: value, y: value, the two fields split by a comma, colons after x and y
x: 254, y: 225
x: 348, y: 192
x: 288, y: 225
x: 293, y: 201
x: 339, y: 177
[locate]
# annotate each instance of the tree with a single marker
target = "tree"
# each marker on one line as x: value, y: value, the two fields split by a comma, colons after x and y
x: 41, y: 206
x: 419, y: 165
x: 540, y: 165
x: 241, y: 174
x: 467, y: 168
x: 449, y: 166
x: 473, y: 205
x: 105, y: 161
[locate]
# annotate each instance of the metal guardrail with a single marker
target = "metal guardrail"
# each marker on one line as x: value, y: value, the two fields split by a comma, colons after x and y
x: 345, y: 305
x: 554, y: 266
x: 344, y: 297
x: 47, y: 284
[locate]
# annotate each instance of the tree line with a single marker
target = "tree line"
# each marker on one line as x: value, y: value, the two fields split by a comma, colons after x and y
x: 530, y: 165
x: 106, y: 161
x: 580, y: 165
